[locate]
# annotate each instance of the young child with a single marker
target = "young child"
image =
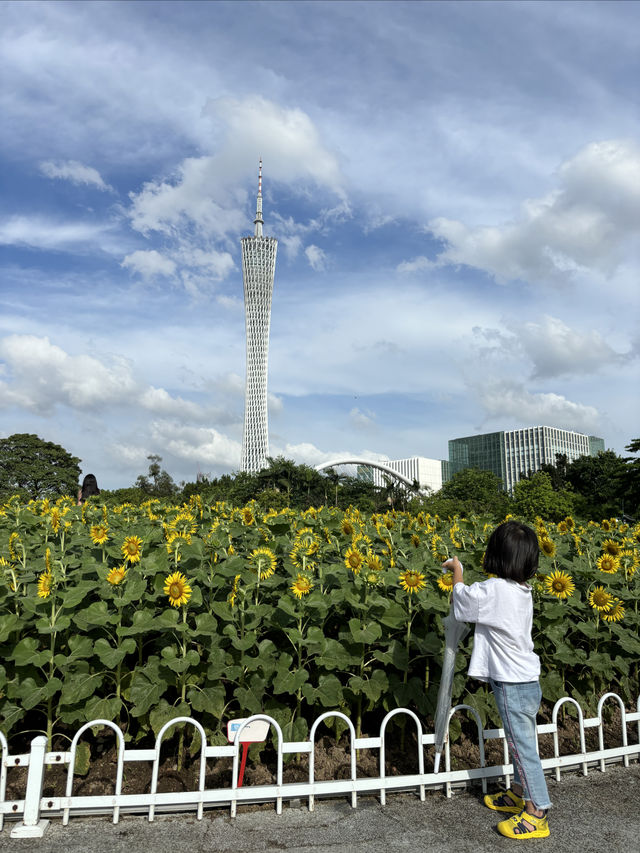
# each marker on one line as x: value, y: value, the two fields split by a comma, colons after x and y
x: 502, y: 609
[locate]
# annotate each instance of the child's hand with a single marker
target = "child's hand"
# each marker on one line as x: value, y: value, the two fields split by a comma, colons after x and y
x: 451, y: 564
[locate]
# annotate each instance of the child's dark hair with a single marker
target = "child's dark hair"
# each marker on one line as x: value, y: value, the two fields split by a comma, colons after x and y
x: 89, y: 487
x: 512, y: 552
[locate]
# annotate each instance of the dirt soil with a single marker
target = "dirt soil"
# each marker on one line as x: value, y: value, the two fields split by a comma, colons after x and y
x: 332, y: 761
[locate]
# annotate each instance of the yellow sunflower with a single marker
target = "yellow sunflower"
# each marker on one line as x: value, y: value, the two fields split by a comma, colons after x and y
x: 132, y: 549
x: 373, y: 578
x: 445, y: 582
x: 415, y: 540
x: 374, y: 563
x: 262, y: 562
x: 177, y: 589
x: 570, y: 522
x: 116, y: 576
x: 235, y: 586
x: 628, y: 562
x: 347, y: 528
x: 248, y: 517
x: 301, y: 586
x: 353, y: 560
x: 616, y: 613
x: 559, y: 584
x: 600, y: 599
x: 99, y: 534
x: 562, y: 527
x: 547, y: 546
x: 45, y: 582
x: 609, y: 546
x: 607, y: 563
x: 307, y: 540
x: 412, y: 581
x: 606, y: 525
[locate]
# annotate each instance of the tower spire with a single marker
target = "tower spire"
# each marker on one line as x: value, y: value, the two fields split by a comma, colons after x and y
x: 259, y: 221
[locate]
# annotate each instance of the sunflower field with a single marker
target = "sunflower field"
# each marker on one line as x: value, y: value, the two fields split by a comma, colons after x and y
x: 139, y: 614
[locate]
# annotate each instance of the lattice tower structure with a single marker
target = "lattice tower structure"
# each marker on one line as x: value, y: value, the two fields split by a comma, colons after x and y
x: 258, y: 272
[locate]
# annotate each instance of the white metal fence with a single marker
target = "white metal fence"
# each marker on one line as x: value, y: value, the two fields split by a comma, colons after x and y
x: 34, y: 811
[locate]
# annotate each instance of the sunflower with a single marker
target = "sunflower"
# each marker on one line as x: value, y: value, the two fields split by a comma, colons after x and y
x: 55, y: 518
x: 353, y: 559
x: 132, y: 549
x: 47, y: 560
x: 438, y: 549
x: 99, y: 534
x: 559, y: 584
x: 307, y: 541
x: 374, y: 563
x: 177, y: 589
x: 235, y: 586
x: 600, y: 599
x: 415, y: 540
x: 570, y: 522
x: 616, y: 613
x: 248, y: 517
x: 45, y: 582
x: 628, y: 562
x: 412, y: 581
x: 606, y: 525
x: 301, y: 586
x: 445, y: 582
x: 562, y: 527
x: 607, y: 563
x: 611, y: 547
x: 262, y: 562
x: 373, y: 578
x: 347, y: 528
x: 547, y: 546
x: 116, y: 576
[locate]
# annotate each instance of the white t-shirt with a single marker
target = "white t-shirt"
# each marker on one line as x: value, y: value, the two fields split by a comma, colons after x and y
x: 502, y: 644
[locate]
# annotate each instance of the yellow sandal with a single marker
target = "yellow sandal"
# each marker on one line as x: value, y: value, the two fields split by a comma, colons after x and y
x: 515, y: 827
x: 504, y: 801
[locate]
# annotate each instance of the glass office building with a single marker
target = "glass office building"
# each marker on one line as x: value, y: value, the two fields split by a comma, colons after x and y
x: 516, y: 453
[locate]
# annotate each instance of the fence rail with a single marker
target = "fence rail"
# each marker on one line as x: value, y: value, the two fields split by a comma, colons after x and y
x: 34, y: 811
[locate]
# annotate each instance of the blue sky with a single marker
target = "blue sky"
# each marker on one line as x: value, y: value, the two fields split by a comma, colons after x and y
x: 455, y: 188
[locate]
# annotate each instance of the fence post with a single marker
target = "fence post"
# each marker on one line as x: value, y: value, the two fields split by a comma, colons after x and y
x: 32, y: 825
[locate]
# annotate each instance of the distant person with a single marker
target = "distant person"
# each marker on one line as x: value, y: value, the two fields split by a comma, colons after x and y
x: 503, y: 655
x: 89, y: 487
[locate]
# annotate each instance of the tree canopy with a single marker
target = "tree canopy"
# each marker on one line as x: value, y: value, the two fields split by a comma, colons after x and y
x: 36, y: 468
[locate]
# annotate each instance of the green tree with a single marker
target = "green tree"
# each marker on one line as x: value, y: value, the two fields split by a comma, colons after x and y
x: 600, y: 483
x: 632, y: 479
x: 37, y: 468
x: 535, y: 495
x: 470, y: 491
x: 158, y: 482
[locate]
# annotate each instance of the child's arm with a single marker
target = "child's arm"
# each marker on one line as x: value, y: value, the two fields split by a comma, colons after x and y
x: 455, y: 567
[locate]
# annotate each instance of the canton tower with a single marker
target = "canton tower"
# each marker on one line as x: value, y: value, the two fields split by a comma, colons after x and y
x: 258, y: 270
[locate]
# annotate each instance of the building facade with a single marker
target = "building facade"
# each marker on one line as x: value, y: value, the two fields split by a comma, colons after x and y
x: 258, y: 272
x: 427, y: 473
x: 515, y: 453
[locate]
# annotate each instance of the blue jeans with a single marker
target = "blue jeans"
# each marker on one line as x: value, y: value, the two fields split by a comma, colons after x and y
x: 518, y: 704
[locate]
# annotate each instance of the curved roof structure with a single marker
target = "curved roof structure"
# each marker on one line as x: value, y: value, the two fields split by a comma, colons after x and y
x: 354, y: 460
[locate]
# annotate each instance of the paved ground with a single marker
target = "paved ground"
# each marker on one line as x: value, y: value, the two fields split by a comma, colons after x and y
x: 600, y: 812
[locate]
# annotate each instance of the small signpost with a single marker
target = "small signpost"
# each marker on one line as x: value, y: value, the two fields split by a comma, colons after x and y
x: 254, y: 732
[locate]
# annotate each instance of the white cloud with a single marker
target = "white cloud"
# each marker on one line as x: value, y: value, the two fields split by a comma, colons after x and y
x: 149, y: 264
x: 316, y: 257
x: 196, y: 444
x: 40, y: 376
x: 505, y: 401
x: 38, y: 232
x: 361, y: 420
x: 205, y: 190
x: 75, y: 172
x: 583, y: 225
x: 418, y: 264
x: 553, y: 348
